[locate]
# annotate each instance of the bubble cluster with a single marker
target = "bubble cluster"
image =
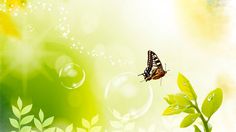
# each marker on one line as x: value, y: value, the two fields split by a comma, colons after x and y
x: 72, y: 76
x: 126, y: 90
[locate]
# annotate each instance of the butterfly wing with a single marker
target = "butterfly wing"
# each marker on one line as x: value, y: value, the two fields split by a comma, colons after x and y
x: 153, y: 60
x: 150, y: 59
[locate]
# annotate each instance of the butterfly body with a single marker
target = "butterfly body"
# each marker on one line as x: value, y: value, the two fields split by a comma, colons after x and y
x: 154, y: 69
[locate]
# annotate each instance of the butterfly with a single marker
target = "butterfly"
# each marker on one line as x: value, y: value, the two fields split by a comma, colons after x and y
x: 154, y: 69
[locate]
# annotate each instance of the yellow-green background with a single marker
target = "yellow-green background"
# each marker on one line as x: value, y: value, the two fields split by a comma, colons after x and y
x: 196, y: 38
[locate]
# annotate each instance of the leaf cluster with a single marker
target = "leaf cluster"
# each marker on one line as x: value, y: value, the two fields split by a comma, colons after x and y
x: 186, y: 102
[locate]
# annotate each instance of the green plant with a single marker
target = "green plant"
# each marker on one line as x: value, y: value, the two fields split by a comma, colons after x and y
x: 41, y: 124
x: 90, y: 126
x: 22, y: 120
x: 186, y: 102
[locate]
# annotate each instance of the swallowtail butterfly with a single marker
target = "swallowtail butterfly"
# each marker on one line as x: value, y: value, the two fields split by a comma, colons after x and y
x: 154, y: 69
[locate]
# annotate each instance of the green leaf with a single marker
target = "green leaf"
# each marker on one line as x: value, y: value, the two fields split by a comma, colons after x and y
x: 94, y: 120
x: 96, y: 129
x: 16, y: 111
x: 189, y: 119
x: 41, y: 115
x: 212, y: 102
x: 173, y: 109
x: 14, y: 123
x: 85, y: 123
x: 170, y: 99
x: 38, y: 124
x: 48, y: 121
x: 26, y: 129
x: 81, y: 130
x: 69, y: 128
x: 52, y: 129
x: 186, y: 87
x: 182, y: 100
x: 19, y: 103
x: 196, y: 129
x: 189, y: 110
x: 27, y: 119
x: 26, y: 109
x: 59, y: 130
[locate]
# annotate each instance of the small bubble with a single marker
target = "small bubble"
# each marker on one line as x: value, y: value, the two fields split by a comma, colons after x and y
x: 72, y: 76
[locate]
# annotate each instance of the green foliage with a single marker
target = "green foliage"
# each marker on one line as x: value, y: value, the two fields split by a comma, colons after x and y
x: 173, y: 109
x: 186, y: 87
x: 90, y: 126
x: 43, y: 124
x: 212, y: 102
x: 189, y: 119
x: 196, y: 129
x: 22, y: 119
x: 186, y: 102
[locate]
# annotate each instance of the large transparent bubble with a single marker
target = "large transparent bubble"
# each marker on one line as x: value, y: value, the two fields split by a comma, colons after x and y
x: 71, y: 76
x: 127, y: 98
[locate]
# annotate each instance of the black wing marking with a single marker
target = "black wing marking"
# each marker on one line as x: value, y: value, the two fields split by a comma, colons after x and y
x: 153, y: 60
x: 150, y: 60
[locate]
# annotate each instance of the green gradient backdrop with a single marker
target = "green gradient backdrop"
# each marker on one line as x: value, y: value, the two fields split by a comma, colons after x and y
x: 107, y: 38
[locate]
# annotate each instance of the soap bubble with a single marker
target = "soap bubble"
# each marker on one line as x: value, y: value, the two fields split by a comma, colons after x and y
x: 71, y: 76
x: 127, y: 98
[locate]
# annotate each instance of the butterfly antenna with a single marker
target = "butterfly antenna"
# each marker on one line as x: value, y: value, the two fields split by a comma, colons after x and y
x: 165, y: 68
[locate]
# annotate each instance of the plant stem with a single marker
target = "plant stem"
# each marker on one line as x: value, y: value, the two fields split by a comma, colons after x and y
x: 204, y: 121
x: 19, y: 123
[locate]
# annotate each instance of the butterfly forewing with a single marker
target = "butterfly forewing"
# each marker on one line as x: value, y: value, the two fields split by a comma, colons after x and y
x: 153, y: 60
